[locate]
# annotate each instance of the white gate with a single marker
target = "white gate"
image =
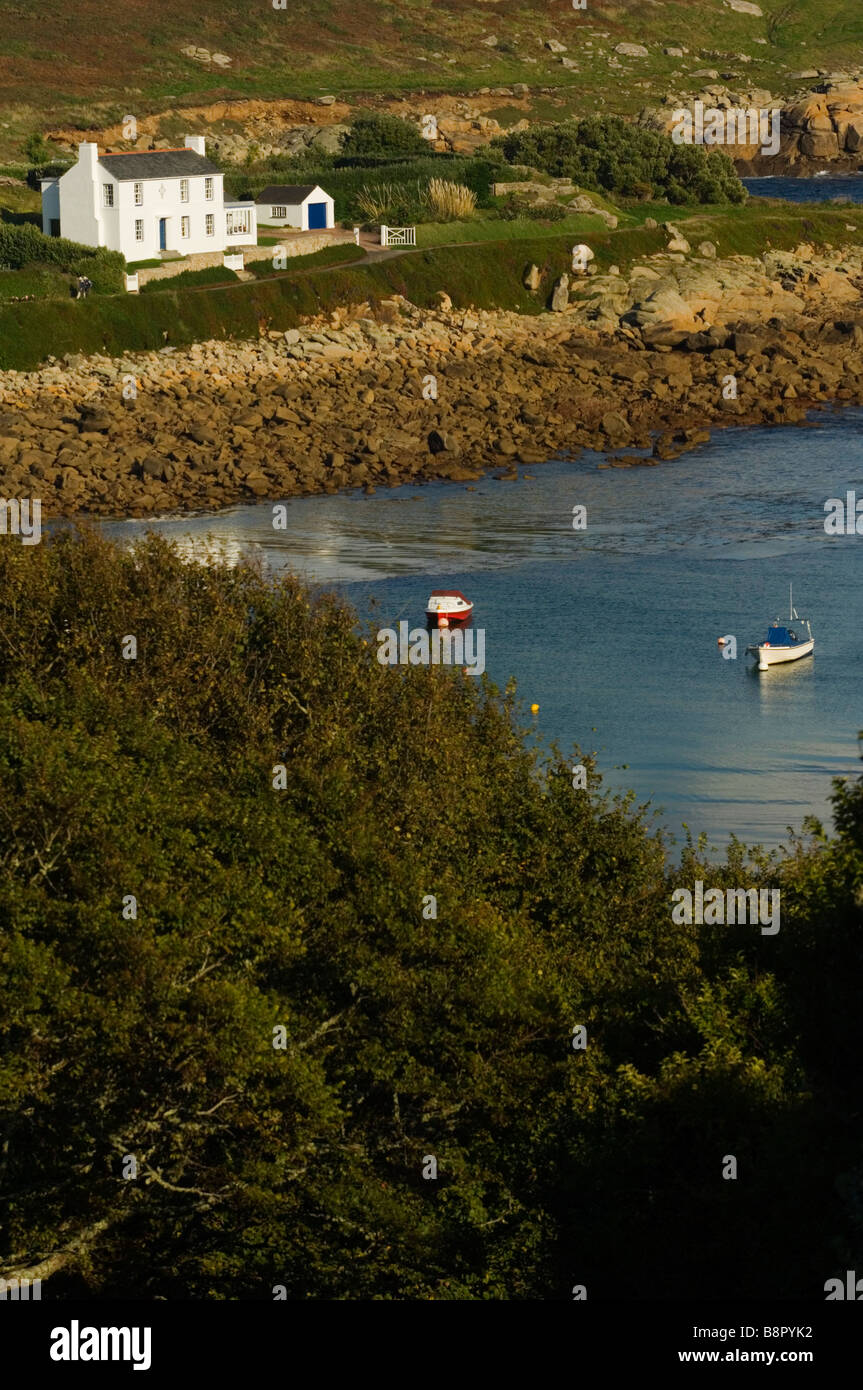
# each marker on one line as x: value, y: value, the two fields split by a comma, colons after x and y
x: 234, y: 262
x: 398, y: 236
x: 132, y: 283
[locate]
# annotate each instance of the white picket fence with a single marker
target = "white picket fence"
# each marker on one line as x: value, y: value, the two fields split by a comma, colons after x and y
x: 398, y: 236
x: 234, y: 261
x: 132, y: 283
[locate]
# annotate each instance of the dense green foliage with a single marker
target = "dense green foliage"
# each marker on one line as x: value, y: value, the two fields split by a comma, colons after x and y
x: 25, y: 245
x: 376, y: 133
x: 610, y: 154
x: 407, y: 1036
x: 344, y: 183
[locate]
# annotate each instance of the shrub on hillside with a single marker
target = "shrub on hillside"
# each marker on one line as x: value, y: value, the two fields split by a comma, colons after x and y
x: 375, y: 133
x: 609, y: 154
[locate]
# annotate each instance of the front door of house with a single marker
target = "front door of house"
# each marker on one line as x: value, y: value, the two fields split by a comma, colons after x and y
x: 163, y: 233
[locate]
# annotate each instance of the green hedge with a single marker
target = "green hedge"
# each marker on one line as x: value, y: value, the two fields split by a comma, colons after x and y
x: 23, y: 244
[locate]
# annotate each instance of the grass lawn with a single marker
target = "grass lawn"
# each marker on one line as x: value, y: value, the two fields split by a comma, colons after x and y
x: 210, y: 275
x: 341, y: 254
x: 494, y: 229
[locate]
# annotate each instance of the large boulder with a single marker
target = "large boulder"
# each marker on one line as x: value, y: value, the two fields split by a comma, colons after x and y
x: 560, y: 294
x: 820, y: 144
x: 329, y: 139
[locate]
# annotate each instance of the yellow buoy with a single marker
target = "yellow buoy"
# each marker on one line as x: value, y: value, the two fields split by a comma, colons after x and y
x: 534, y: 709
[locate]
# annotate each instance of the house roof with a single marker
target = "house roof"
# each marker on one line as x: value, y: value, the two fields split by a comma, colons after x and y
x: 290, y: 193
x: 157, y: 164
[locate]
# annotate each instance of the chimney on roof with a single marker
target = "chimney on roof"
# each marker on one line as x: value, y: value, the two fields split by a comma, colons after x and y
x: 196, y: 143
x: 88, y: 155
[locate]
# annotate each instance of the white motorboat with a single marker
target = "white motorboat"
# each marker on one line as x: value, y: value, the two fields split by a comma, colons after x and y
x: 446, y: 606
x: 784, y: 643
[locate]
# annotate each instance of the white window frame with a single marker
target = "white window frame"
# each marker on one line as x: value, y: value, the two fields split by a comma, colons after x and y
x: 184, y: 226
x: 209, y: 188
x: 238, y: 221
x: 184, y: 190
x: 107, y: 195
x: 139, y: 195
x: 210, y: 224
x: 139, y: 229
x: 279, y: 213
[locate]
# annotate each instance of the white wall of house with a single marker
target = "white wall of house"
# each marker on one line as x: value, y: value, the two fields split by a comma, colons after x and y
x: 136, y: 216
x: 296, y: 214
x: 50, y: 205
x: 79, y: 206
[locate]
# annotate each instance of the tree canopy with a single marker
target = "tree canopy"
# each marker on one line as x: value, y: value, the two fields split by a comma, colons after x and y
x: 320, y: 987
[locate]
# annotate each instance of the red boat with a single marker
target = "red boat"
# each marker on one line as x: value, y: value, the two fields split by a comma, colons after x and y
x: 446, y: 606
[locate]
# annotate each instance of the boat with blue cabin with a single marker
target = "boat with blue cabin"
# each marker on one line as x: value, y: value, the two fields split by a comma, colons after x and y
x: 784, y: 643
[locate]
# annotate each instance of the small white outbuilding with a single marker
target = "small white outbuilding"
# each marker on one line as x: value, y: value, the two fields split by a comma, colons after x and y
x: 302, y: 205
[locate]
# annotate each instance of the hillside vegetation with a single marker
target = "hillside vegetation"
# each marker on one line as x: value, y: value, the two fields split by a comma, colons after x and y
x: 97, y: 60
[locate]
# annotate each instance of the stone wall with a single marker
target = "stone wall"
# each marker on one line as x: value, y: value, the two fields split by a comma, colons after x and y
x: 300, y: 244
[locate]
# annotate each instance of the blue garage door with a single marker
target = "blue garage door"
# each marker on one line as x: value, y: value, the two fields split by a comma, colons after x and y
x: 317, y: 215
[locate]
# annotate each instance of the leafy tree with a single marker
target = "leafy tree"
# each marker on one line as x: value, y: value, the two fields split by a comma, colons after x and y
x: 145, y: 1030
x: 609, y: 154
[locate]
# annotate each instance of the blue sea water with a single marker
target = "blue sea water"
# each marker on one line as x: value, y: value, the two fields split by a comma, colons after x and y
x: 613, y: 630
x: 821, y: 188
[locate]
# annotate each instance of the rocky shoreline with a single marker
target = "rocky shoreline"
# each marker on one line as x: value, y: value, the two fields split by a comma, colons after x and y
x: 651, y: 360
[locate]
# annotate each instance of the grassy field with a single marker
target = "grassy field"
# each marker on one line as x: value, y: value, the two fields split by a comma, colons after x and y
x: 485, y: 276
x: 96, y: 61
x: 519, y: 229
x: 342, y: 254
x: 42, y: 281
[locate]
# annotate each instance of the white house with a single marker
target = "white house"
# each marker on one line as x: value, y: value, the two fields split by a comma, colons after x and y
x: 303, y: 205
x: 146, y: 202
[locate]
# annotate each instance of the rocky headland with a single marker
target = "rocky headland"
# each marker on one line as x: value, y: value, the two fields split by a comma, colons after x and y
x: 653, y: 360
